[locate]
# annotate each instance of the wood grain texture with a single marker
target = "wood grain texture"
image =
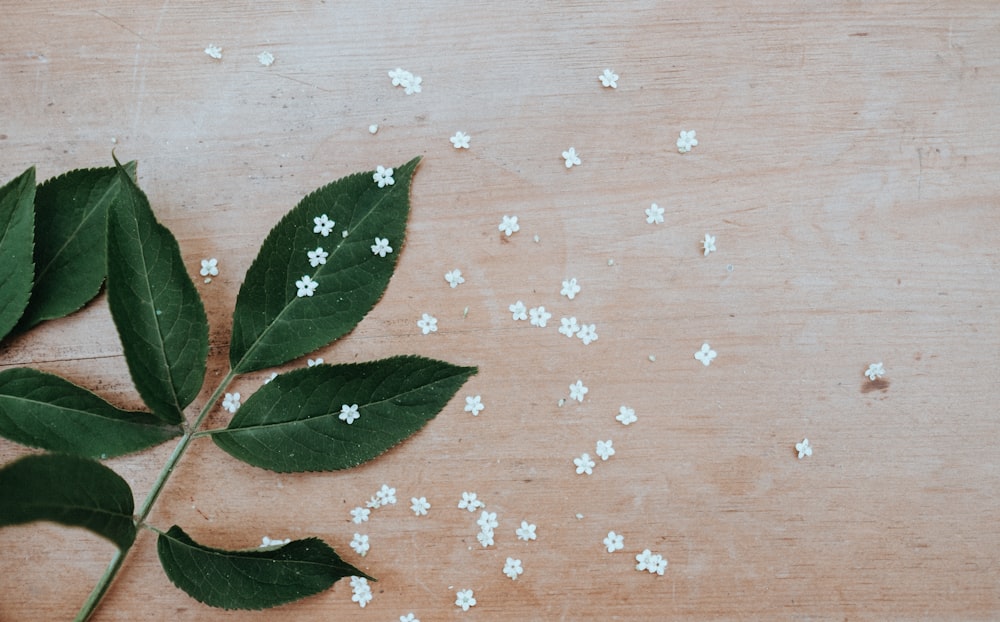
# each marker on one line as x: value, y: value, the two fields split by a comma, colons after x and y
x: 847, y: 163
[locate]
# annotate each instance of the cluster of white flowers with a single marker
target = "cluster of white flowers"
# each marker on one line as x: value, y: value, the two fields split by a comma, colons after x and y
x: 405, y: 80
x: 654, y: 563
x: 361, y: 592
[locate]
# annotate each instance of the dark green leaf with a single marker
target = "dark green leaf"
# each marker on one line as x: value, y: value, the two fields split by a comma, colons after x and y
x: 293, y: 423
x: 271, y: 323
x: 251, y: 579
x: 74, y: 491
x: 71, y: 215
x: 155, y: 306
x: 42, y: 410
x: 16, y: 238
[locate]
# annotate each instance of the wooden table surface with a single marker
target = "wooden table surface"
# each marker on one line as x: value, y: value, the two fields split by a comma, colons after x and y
x: 847, y: 164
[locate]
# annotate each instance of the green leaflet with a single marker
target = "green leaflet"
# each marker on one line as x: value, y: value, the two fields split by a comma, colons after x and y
x: 271, y: 323
x: 16, y: 237
x: 293, y: 423
x: 43, y: 410
x: 74, y: 491
x: 71, y: 213
x: 250, y: 579
x: 155, y: 306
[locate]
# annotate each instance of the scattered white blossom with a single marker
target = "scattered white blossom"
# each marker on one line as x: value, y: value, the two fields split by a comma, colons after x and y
x: 587, y: 333
x: 474, y: 404
x: 406, y: 80
x: 512, y: 567
x: 374, y: 503
x: 577, y: 391
x: 572, y: 159
x: 231, y: 402
x: 419, y: 506
x: 266, y: 542
x: 306, y: 286
x: 454, y: 278
x: 361, y: 592
x: 804, y: 448
x: 360, y: 515
x: 428, y: 324
x: 209, y: 267
x: 485, y: 537
x: 539, y: 316
x: 470, y: 501
x: 614, y: 542
x: 214, y: 51
x: 381, y: 247
x: 413, y: 86
x: 265, y: 58
x: 383, y: 177
x: 570, y: 288
x: 569, y: 326
x: 508, y: 224
x: 626, y: 415
x: 526, y: 531
x: 323, y: 225
x: 349, y: 413
x: 605, y: 449
x: 705, y: 355
x: 654, y: 214
x: 465, y: 599
x: 460, y: 140
x: 875, y: 371
x: 518, y: 311
x: 314, y: 362
x: 317, y: 257
x: 386, y: 495
x: 408, y: 618
x: 584, y: 464
x: 708, y: 244
x: 360, y: 544
x: 686, y: 141
x: 609, y: 79
x: 373, y: 128
x: 487, y: 520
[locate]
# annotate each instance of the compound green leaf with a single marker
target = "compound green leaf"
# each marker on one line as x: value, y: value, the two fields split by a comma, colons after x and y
x: 272, y: 324
x: 70, y: 490
x: 71, y: 214
x: 16, y: 238
x: 250, y: 579
x: 156, y: 308
x: 43, y: 410
x: 293, y: 422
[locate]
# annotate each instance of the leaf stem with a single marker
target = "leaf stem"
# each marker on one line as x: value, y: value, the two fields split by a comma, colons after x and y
x: 104, y: 583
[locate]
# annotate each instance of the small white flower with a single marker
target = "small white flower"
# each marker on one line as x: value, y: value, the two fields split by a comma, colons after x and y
x: 265, y: 58
x: 361, y: 591
x: 804, y: 448
x: 584, y: 464
x: 609, y: 79
x: 626, y: 415
x: 705, y: 355
x: 605, y: 449
x: 654, y: 214
x: 360, y: 515
x: 306, y: 286
x: 474, y: 404
x: 214, y: 51
x: 512, y: 567
x: 454, y: 278
x: 408, y: 618
x: 381, y: 247
x: 413, y: 86
x: 614, y: 542
x: 349, y: 413
x: 509, y: 225
x: 587, y: 333
x: 465, y: 599
x: 360, y: 544
x: 460, y: 140
x: 686, y: 141
x: 210, y: 267
x: 399, y: 76
x: 526, y: 531
x: 419, y: 506
x: 485, y: 537
x: 470, y: 502
x: 539, y: 316
x: 373, y: 128
x: 374, y: 503
x: 266, y: 542
x: 572, y: 159
x: 428, y: 324
x: 875, y: 371
x: 570, y: 288
x: 644, y: 560
x: 708, y: 244
x: 518, y: 311
x: 383, y: 177
x: 314, y: 362
x: 577, y: 391
x: 386, y: 495
x: 231, y: 402
x: 487, y: 520
x: 323, y: 225
x: 317, y: 257
x: 569, y: 326
x: 657, y: 564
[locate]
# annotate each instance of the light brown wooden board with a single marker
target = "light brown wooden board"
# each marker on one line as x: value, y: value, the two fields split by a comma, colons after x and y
x: 847, y: 163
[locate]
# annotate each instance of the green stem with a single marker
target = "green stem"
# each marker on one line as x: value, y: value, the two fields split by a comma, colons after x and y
x: 147, y: 506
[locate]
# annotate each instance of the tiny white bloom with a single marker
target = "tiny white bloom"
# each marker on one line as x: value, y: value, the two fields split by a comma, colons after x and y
x: 584, y: 464
x: 587, y: 333
x: 317, y: 257
x: 570, y: 288
x: 875, y: 370
x: 381, y: 247
x: 518, y: 311
x: 539, y: 316
x: 460, y: 140
x: 360, y: 544
x: 399, y: 76
x: 609, y: 79
x: 465, y: 599
x: 323, y: 225
x: 657, y: 564
x: 349, y: 413
x: 686, y: 141
x: 428, y: 324
x: 708, y: 244
x: 485, y: 538
x: 231, y: 402
x: 705, y: 355
x: 474, y: 404
x: 512, y: 568
x: 383, y: 177
x: 419, y: 506
x: 569, y: 326
x: 526, y: 531
x: 577, y: 391
x: 605, y: 449
x: 360, y: 515
x: 386, y: 495
x: 644, y: 560
x: 614, y: 542
x: 373, y: 128
x: 314, y: 362
x: 654, y: 214
x: 306, y: 286
x: 408, y: 618
x: 265, y: 542
x: 210, y: 267
x: 572, y: 159
x: 265, y: 58
x: 487, y: 520
x: 374, y: 503
x: 214, y: 51
x: 413, y: 86
x: 470, y: 502
x: 509, y: 225
x: 626, y: 415
x: 454, y: 278
x: 804, y: 448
